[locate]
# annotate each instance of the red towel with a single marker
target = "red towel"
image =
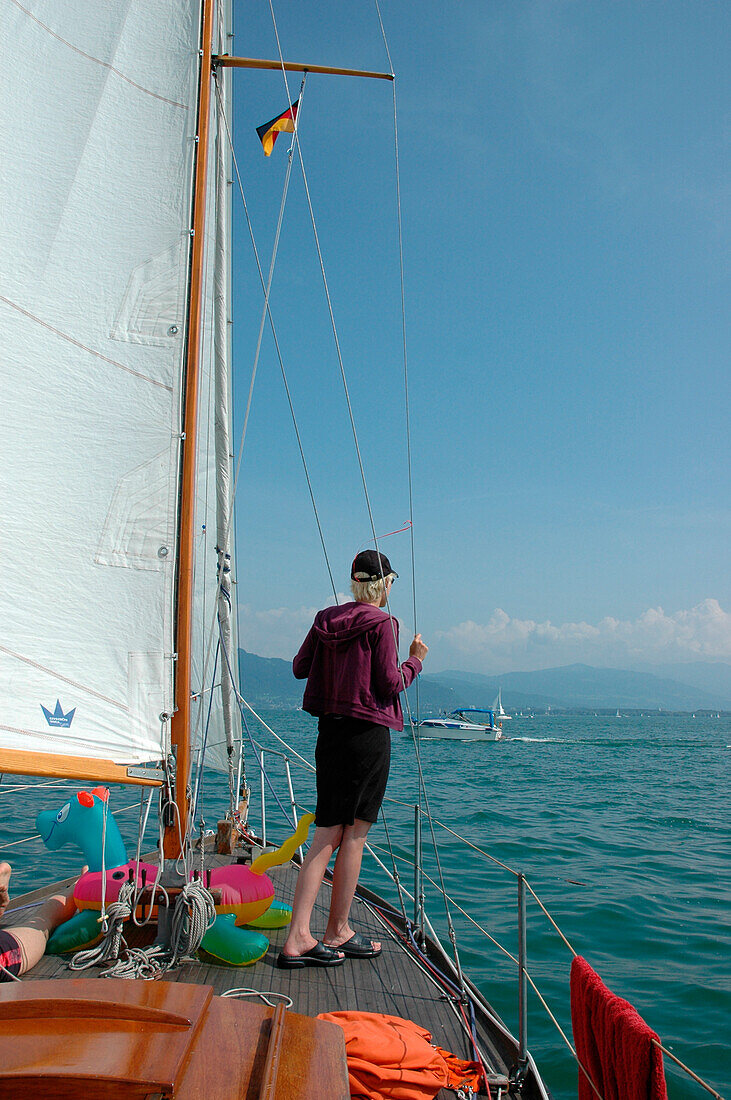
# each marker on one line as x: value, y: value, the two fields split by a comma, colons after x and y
x: 613, y: 1042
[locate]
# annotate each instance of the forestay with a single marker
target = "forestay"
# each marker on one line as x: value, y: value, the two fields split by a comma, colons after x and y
x: 100, y: 106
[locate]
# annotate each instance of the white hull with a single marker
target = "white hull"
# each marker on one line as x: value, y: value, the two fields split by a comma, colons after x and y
x: 445, y: 729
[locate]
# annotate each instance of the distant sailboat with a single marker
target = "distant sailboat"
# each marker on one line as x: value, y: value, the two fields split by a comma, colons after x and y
x: 497, y: 706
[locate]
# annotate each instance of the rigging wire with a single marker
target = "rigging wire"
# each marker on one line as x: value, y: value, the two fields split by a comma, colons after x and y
x: 364, y: 483
x: 402, y: 285
x: 268, y: 314
x: 204, y: 742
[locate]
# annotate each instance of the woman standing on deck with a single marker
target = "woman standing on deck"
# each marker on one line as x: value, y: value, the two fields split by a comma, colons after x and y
x: 350, y: 661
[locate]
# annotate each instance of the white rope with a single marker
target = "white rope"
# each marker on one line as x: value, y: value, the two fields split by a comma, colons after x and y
x: 105, y: 812
x: 158, y: 875
x: 193, y: 915
x: 281, y: 998
x: 108, y: 950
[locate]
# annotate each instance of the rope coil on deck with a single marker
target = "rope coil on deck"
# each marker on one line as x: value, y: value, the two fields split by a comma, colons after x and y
x: 193, y: 915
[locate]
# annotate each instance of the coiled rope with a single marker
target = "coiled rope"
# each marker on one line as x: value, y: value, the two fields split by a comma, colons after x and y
x: 193, y: 915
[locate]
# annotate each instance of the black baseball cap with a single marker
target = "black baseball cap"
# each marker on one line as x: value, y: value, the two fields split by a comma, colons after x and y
x: 370, y: 565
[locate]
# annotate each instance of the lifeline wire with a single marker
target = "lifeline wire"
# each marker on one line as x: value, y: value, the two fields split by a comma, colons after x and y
x: 239, y: 699
x: 373, y: 849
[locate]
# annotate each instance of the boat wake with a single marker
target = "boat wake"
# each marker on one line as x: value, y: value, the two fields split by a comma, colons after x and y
x: 542, y: 740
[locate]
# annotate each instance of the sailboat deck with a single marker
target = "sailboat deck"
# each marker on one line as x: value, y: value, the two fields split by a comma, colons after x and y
x: 393, y: 984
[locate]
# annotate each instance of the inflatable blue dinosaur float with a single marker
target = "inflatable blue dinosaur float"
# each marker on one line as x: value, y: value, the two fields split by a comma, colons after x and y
x: 247, y: 892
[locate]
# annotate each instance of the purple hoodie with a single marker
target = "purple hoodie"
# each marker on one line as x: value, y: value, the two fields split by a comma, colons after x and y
x: 351, y: 665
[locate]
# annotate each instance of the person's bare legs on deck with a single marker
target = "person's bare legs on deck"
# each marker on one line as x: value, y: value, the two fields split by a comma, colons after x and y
x: 32, y: 935
x: 309, y: 880
x: 345, y: 880
x: 349, y: 841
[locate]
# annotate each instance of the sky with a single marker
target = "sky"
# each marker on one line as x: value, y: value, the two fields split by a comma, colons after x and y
x: 563, y: 182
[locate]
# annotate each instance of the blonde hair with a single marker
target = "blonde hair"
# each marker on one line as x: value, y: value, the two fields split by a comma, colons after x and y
x: 370, y: 591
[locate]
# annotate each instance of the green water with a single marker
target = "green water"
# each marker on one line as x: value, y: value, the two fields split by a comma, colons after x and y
x: 621, y: 826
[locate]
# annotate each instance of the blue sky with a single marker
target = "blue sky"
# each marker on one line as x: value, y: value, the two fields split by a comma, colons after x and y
x: 563, y: 181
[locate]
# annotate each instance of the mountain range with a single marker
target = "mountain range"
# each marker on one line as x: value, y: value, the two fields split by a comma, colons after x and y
x: 268, y: 681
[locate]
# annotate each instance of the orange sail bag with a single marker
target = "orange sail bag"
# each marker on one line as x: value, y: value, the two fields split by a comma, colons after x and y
x: 393, y: 1059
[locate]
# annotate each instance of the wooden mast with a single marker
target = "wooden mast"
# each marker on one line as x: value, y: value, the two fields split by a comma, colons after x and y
x: 180, y: 723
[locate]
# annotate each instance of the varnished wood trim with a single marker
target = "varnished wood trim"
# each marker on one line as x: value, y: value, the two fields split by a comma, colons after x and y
x: 293, y: 67
x: 180, y: 724
x: 268, y: 1090
x: 22, y: 762
x: 108, y: 1012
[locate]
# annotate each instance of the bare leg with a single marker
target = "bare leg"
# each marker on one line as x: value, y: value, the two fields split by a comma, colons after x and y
x: 5, y: 873
x: 33, y: 934
x: 345, y: 880
x: 309, y: 880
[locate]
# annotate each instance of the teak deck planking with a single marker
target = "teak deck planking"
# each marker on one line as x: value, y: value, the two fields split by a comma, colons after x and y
x: 392, y: 983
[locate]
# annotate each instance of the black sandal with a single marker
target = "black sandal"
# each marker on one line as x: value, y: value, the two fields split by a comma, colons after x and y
x: 357, y: 947
x: 319, y: 955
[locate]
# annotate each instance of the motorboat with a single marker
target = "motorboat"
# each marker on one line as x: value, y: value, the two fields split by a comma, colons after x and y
x: 459, y: 726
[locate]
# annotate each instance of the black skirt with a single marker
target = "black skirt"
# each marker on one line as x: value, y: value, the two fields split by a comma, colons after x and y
x: 353, y: 758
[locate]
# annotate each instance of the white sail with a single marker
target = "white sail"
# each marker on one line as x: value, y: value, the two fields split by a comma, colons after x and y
x: 96, y: 198
x: 497, y: 706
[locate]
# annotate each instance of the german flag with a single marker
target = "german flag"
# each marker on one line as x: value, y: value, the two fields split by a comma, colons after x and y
x: 270, y: 131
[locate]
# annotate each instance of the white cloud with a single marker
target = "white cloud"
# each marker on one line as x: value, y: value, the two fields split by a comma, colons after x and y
x: 504, y: 644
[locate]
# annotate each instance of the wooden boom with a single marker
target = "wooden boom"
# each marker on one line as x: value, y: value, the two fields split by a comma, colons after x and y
x: 229, y: 62
x: 25, y: 762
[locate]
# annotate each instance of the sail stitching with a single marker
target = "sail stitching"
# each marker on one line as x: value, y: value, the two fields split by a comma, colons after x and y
x: 98, y: 60
x: 65, y: 679
x: 78, y: 344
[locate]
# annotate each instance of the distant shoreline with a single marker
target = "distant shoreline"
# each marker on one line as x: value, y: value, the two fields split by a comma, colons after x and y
x: 555, y: 712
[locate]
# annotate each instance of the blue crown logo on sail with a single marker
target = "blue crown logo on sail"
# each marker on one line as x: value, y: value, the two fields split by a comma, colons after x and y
x: 57, y: 717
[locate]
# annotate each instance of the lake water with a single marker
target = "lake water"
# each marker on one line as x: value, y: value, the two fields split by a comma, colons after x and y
x: 621, y: 826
